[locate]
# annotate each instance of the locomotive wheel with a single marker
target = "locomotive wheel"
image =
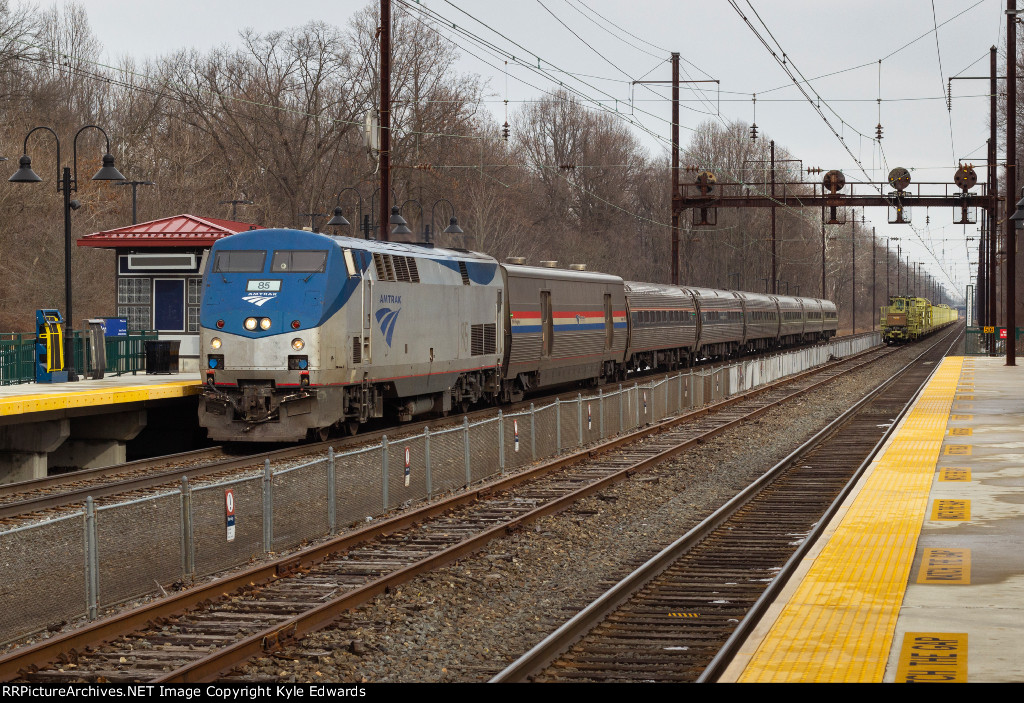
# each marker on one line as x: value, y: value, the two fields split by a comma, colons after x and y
x: 352, y: 427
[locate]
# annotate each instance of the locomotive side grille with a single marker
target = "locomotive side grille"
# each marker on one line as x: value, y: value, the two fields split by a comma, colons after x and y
x: 465, y: 273
x: 382, y: 272
x: 483, y: 340
x: 357, y: 351
x: 401, y: 268
x: 405, y: 269
x: 389, y: 262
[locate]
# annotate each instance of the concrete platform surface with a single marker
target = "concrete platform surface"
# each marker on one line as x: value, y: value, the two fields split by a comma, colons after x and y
x: 28, y: 398
x: 920, y: 577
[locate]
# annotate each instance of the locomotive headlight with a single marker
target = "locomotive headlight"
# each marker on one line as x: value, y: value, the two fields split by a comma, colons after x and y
x: 264, y: 323
x: 215, y: 343
x: 298, y: 344
x: 250, y: 323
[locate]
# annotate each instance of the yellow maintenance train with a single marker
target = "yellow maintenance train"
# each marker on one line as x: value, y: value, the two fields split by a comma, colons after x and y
x: 909, y: 319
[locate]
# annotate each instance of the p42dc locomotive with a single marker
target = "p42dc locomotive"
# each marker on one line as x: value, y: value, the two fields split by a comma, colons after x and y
x: 302, y: 332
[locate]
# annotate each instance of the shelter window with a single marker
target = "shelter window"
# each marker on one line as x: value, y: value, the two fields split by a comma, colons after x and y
x: 299, y: 261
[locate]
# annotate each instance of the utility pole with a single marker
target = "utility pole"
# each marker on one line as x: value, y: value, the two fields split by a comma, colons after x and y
x: 774, y: 269
x: 234, y: 206
x: 822, y: 252
x: 853, y: 277
x: 888, y: 268
x: 675, y: 167
x: 874, y: 270
x: 899, y: 254
x: 385, y: 120
x: 993, y: 213
x: 1011, y: 182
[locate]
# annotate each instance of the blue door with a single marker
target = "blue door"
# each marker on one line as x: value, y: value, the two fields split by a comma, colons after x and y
x: 169, y: 304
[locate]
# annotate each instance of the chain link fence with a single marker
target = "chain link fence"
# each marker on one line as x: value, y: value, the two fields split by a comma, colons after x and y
x: 77, y: 565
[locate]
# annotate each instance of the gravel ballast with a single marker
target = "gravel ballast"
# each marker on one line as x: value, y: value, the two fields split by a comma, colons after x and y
x: 467, y: 621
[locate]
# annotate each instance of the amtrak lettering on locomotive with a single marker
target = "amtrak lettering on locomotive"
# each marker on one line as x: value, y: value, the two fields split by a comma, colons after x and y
x: 302, y: 332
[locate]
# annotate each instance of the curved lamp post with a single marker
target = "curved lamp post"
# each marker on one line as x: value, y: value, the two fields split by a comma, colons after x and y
x: 453, y: 223
x: 66, y: 184
x: 339, y: 219
x: 403, y: 228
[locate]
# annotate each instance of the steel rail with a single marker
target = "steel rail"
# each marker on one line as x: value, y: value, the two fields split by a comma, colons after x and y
x: 731, y: 648
x: 41, y: 654
x: 574, y: 629
x: 173, y: 476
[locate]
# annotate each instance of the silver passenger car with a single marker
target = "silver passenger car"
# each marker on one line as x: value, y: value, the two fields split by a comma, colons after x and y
x: 563, y: 326
x: 720, y: 313
x: 662, y: 326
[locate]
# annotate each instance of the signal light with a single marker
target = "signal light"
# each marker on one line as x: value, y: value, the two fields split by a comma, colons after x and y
x: 220, y: 324
x: 295, y: 324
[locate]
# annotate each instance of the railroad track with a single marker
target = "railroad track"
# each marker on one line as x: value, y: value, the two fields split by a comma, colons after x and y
x: 682, y: 615
x: 45, y: 497
x: 200, y: 633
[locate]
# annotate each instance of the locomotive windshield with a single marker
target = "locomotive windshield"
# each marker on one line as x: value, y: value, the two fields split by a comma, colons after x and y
x: 299, y: 261
x: 239, y: 261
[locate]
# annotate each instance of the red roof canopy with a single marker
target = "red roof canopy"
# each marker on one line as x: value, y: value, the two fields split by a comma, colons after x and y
x: 178, y: 231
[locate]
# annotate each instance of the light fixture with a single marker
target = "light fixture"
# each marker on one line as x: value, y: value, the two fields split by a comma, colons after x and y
x: 338, y: 220
x: 108, y: 172
x: 453, y: 227
x: 25, y: 174
x: 396, y: 217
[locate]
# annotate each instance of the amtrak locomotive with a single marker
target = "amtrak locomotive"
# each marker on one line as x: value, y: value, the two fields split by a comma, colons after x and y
x: 302, y: 332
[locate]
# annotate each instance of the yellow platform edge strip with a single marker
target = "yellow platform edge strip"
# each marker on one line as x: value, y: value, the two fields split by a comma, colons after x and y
x: 839, y: 624
x: 41, y: 402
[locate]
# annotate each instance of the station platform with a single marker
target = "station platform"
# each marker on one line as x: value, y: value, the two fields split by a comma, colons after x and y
x: 29, y: 398
x: 83, y: 424
x: 920, y: 576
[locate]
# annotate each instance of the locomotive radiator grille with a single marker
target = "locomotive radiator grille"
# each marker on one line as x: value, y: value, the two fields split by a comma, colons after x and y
x: 483, y: 340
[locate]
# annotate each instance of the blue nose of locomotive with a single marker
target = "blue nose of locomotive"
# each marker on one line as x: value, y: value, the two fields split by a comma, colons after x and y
x: 275, y: 281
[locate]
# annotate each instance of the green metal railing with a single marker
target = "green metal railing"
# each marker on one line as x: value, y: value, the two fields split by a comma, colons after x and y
x: 128, y: 354
x: 17, y: 363
x: 123, y: 355
x: 977, y: 342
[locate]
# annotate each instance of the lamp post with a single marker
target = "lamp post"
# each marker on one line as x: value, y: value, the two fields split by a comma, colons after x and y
x: 135, y: 187
x: 66, y: 184
x: 403, y: 228
x: 453, y: 223
x: 339, y: 219
x: 369, y: 223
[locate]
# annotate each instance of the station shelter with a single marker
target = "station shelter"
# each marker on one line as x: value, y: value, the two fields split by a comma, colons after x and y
x: 159, y: 275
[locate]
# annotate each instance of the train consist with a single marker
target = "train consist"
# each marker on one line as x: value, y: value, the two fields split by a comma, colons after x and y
x: 302, y: 332
x: 909, y: 319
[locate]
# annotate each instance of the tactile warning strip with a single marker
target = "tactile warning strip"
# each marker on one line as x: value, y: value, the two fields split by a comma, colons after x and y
x: 22, y: 405
x: 839, y: 624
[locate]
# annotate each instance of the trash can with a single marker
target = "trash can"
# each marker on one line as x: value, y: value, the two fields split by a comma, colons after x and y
x: 162, y: 356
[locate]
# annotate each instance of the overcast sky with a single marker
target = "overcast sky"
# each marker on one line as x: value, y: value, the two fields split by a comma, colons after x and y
x: 818, y: 38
